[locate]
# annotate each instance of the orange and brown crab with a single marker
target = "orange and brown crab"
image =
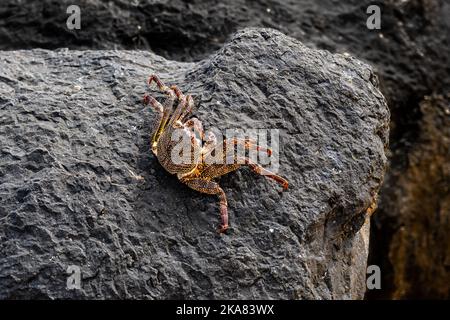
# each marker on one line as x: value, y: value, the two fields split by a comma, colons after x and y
x: 199, y: 172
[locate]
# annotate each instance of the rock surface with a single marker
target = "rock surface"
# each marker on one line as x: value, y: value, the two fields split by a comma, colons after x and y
x: 410, y: 55
x: 80, y: 186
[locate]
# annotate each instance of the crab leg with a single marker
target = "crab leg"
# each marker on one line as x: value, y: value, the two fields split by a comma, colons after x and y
x: 181, y: 105
x: 248, y: 144
x: 160, y: 110
x: 176, y: 114
x: 188, y: 109
x: 182, y: 109
x: 262, y: 171
x: 167, y: 106
x: 210, y: 187
x: 217, y: 170
x: 159, y: 83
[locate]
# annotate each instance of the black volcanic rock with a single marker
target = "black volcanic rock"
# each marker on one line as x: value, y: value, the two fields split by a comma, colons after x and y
x: 80, y: 186
x: 410, y: 55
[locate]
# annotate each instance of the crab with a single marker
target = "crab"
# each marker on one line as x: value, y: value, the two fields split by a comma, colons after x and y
x: 200, y: 172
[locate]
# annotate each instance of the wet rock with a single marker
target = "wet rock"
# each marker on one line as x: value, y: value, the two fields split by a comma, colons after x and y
x: 79, y: 185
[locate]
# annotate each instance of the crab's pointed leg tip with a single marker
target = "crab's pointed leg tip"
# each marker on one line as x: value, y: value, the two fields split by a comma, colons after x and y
x: 222, y: 229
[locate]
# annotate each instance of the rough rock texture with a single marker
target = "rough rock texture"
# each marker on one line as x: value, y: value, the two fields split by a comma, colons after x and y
x: 411, y: 55
x: 79, y: 185
x: 420, y: 246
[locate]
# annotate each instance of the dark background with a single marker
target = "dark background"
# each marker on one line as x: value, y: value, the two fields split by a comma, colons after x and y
x: 410, y: 230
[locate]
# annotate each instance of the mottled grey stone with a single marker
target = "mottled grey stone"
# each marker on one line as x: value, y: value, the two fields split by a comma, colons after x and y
x: 80, y: 186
